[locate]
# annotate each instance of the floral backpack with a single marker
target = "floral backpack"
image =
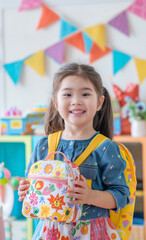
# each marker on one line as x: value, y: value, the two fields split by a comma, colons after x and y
x: 49, y: 180
x: 47, y: 195
x: 123, y: 219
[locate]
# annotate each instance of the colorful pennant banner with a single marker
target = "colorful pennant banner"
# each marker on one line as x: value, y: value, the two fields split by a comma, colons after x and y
x: 120, y: 22
x: 77, y: 41
x: 87, y: 41
x: 97, y: 34
x: 91, y: 40
x: 119, y: 60
x: 14, y: 70
x: 66, y: 29
x: 141, y: 68
x: 29, y: 4
x: 138, y: 8
x: 97, y: 53
x: 36, y: 62
x: 48, y: 17
x: 56, y: 52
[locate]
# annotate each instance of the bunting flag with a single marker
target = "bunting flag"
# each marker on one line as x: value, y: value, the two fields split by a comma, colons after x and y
x: 14, y: 70
x: 96, y: 52
x: 36, y: 62
x: 141, y: 68
x: 77, y: 41
x: 120, y: 22
x: 119, y: 60
x: 138, y: 8
x: 48, y: 17
x: 66, y: 28
x: 87, y: 42
x: 97, y: 33
x: 29, y: 4
x: 56, y: 52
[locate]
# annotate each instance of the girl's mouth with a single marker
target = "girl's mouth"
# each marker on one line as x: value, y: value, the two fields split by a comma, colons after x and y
x: 77, y: 111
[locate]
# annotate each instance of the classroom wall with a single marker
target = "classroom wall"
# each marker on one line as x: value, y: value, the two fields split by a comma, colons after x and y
x: 21, y: 39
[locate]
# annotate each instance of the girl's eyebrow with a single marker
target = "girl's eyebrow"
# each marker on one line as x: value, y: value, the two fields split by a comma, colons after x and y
x: 82, y: 89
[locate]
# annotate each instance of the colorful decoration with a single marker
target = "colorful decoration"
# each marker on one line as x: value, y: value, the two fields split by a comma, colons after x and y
x: 76, y: 40
x: 87, y: 42
x: 36, y: 62
x: 66, y: 28
x: 96, y: 52
x: 56, y: 52
x: 141, y: 68
x: 29, y: 4
x: 14, y: 111
x: 120, y: 22
x: 97, y: 33
x: 48, y: 17
x: 132, y: 91
x: 138, y: 8
x: 14, y: 70
x: 119, y: 60
x: 91, y: 40
x: 6, y: 191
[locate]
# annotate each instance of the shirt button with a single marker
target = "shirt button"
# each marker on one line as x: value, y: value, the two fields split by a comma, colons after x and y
x: 71, y: 143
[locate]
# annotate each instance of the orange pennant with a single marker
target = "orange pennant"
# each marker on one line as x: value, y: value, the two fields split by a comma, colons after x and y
x: 96, y: 52
x: 47, y: 17
x: 77, y: 41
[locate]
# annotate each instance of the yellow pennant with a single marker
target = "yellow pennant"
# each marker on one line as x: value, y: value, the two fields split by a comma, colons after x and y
x: 141, y: 68
x: 97, y: 33
x: 37, y: 62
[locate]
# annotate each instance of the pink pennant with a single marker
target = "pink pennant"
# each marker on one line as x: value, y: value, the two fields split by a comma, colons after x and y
x: 56, y: 52
x: 138, y: 8
x: 121, y: 23
x: 29, y: 4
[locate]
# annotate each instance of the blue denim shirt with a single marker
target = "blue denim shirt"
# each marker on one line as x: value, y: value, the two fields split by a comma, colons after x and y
x: 104, y: 166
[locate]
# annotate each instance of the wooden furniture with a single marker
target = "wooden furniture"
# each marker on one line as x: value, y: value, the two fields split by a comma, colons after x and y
x: 142, y: 140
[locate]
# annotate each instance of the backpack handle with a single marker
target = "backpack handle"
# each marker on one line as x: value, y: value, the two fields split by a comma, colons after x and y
x: 52, y: 153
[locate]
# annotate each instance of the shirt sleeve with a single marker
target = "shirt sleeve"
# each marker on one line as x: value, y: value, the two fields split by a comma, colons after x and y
x: 113, y: 178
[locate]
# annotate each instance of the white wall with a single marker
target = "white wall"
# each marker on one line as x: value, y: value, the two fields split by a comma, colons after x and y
x: 21, y: 39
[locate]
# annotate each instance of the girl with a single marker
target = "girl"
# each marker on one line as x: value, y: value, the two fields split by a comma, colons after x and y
x: 81, y: 108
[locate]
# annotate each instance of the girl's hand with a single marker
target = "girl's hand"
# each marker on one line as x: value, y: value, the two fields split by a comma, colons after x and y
x: 80, y: 192
x: 23, y: 189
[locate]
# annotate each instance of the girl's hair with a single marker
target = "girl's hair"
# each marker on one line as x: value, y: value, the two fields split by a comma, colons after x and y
x: 103, y: 119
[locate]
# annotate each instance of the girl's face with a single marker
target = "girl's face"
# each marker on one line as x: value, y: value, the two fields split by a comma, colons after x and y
x: 77, y: 101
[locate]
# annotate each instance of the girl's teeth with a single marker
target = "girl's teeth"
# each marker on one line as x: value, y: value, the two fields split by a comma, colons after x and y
x: 77, y: 111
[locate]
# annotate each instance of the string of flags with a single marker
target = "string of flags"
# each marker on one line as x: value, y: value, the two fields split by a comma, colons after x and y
x: 91, y: 40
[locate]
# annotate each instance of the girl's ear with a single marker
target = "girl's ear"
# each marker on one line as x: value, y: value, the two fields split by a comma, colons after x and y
x: 55, y: 103
x: 100, y: 102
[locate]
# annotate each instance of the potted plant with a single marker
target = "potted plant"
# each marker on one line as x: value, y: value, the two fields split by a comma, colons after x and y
x: 137, y: 115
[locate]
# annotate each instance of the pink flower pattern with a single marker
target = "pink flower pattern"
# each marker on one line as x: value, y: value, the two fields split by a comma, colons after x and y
x: 33, y: 198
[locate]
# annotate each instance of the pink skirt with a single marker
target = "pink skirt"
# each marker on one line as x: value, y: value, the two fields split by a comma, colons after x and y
x: 95, y: 229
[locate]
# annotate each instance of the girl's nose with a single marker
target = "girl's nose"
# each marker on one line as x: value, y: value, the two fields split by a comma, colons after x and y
x: 76, y: 101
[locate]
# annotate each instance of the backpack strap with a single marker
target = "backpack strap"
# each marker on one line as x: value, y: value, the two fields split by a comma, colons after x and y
x: 53, y: 141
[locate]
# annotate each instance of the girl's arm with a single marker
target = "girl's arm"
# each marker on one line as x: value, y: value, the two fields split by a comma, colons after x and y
x: 84, y: 195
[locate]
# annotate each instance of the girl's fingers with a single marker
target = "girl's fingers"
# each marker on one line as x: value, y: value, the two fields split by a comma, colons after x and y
x: 83, y: 178
x: 21, y: 193
x: 23, y: 187
x: 24, y: 182
x: 75, y: 190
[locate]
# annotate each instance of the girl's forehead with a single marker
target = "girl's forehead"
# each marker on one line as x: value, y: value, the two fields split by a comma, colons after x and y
x: 75, y: 81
